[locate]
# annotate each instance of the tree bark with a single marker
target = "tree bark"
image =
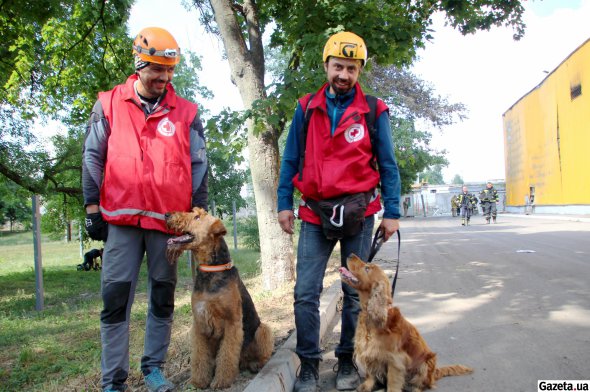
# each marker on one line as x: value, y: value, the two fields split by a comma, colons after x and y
x: 247, y: 73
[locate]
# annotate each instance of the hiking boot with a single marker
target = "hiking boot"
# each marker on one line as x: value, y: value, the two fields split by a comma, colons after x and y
x: 347, y: 375
x: 494, y: 219
x: 488, y: 221
x: 308, y: 377
x: 156, y: 382
x: 462, y: 222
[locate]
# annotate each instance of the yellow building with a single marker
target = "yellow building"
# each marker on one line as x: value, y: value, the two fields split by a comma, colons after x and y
x: 547, y: 141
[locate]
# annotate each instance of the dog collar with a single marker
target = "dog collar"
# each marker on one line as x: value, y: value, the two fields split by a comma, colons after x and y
x: 216, y: 268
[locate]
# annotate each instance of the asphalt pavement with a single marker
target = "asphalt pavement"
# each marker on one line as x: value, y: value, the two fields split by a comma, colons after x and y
x: 511, y: 300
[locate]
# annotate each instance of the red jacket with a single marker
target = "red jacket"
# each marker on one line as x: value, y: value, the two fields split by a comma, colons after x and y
x: 148, y: 165
x: 340, y: 164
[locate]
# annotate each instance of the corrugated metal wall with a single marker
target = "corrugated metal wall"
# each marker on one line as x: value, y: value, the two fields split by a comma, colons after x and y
x: 547, y: 138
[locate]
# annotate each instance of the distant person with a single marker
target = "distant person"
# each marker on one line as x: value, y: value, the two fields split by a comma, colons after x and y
x: 466, y: 204
x: 90, y: 260
x: 489, y: 198
x: 406, y: 205
x: 455, y: 205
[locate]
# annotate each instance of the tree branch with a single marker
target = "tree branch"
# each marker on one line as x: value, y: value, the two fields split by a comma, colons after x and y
x: 82, y: 39
x: 254, y: 36
x: 27, y: 183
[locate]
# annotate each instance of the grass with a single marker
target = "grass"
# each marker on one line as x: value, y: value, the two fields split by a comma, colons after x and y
x: 60, y: 345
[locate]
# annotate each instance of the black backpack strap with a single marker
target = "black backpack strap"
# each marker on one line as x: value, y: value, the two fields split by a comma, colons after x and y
x: 303, y: 136
x: 371, y: 119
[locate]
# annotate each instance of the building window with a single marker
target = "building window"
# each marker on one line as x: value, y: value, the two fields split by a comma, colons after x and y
x: 575, y: 91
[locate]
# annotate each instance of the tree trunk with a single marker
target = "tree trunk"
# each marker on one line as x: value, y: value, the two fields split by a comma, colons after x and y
x: 247, y: 72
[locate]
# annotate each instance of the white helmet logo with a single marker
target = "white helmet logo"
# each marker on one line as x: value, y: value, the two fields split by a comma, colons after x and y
x: 354, y: 133
x: 166, y: 127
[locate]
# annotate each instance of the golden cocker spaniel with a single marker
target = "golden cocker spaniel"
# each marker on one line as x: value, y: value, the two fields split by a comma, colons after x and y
x: 389, y: 347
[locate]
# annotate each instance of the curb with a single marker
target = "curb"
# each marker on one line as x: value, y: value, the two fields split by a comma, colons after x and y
x: 571, y: 218
x: 279, y: 373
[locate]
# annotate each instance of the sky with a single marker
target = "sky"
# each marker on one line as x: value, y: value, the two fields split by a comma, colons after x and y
x: 487, y: 71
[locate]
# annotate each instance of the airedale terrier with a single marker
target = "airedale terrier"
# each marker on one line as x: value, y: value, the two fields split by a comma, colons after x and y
x: 227, y: 334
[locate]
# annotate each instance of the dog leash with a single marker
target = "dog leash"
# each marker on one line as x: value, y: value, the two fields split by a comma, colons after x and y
x: 376, y: 245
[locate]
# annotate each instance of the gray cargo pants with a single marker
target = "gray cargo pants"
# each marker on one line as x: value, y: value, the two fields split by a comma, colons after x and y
x: 122, y: 258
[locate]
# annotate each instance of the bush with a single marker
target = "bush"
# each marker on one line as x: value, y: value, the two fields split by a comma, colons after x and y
x: 248, y: 232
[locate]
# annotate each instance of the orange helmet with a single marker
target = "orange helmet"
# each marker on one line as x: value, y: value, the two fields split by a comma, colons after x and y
x: 156, y: 45
x: 346, y: 45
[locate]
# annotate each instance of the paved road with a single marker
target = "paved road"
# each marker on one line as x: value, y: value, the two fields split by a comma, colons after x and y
x: 512, y: 300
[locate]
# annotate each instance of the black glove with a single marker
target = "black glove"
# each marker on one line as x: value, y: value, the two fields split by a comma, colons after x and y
x: 97, y: 228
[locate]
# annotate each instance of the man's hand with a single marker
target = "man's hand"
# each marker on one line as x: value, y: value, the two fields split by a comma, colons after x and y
x: 96, y: 228
x: 287, y: 220
x: 389, y: 227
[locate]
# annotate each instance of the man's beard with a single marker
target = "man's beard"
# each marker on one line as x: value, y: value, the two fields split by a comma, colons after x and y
x: 340, y: 90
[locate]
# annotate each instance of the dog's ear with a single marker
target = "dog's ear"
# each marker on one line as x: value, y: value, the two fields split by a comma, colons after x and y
x: 172, y: 254
x: 217, y: 229
x: 378, y: 304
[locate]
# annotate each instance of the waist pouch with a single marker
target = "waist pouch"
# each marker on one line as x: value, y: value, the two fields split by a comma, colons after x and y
x: 341, y: 216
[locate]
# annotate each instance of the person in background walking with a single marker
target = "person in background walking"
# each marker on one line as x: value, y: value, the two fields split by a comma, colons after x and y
x: 489, y: 198
x: 455, y: 205
x: 465, y: 202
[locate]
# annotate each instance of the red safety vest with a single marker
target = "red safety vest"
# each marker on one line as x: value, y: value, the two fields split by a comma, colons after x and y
x: 340, y: 164
x: 148, y: 166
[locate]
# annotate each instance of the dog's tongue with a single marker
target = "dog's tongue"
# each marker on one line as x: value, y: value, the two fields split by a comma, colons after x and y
x: 181, y: 239
x: 345, y: 273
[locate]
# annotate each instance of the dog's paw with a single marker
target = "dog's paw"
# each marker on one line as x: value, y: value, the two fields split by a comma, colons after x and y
x: 220, y: 384
x: 364, y: 388
x: 254, y: 366
x: 199, y: 383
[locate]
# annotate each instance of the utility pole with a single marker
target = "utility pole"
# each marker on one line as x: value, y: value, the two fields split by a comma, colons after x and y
x: 39, y: 295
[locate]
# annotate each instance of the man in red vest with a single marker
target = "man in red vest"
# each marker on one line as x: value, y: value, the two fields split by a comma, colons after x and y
x: 144, y: 155
x: 333, y: 165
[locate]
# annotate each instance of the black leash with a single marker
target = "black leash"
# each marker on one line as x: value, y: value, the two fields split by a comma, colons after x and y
x: 376, y: 245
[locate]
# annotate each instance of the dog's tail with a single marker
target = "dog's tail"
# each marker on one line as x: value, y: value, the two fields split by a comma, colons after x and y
x: 452, y: 370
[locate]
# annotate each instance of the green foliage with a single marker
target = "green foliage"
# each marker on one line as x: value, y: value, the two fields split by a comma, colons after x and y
x: 61, y: 54
x: 248, y: 229
x: 226, y: 142
x: 15, y: 204
x: 433, y: 175
x: 457, y: 180
x: 413, y: 152
x: 225, y: 182
x: 412, y: 101
x: 186, y: 80
x: 392, y: 30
